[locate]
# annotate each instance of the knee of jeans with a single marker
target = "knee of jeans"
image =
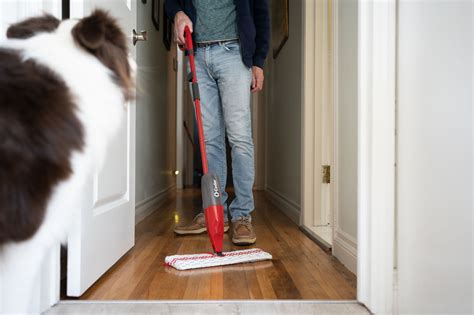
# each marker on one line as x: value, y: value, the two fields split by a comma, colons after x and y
x: 241, y: 143
x: 215, y: 141
x: 213, y: 135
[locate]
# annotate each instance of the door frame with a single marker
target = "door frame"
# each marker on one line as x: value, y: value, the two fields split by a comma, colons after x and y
x: 376, y: 145
x: 376, y: 174
x: 180, y: 101
x: 316, y: 75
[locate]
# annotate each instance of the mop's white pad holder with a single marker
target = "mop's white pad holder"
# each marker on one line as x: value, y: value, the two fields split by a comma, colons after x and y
x: 206, y: 260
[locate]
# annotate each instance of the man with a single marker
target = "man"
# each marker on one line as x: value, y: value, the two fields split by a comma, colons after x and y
x: 231, y: 39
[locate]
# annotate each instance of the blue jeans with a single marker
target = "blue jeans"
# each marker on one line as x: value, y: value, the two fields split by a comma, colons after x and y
x: 224, y: 86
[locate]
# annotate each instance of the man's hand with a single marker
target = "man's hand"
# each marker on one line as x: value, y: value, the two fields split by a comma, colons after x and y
x: 257, y: 79
x: 181, y: 20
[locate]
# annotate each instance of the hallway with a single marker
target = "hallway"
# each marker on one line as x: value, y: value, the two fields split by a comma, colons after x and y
x: 300, y: 269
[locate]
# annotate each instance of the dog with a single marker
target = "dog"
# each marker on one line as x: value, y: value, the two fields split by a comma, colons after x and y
x: 64, y: 86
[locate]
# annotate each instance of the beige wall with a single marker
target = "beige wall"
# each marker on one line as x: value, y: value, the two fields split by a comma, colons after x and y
x: 283, y: 114
x: 435, y: 70
x: 156, y: 110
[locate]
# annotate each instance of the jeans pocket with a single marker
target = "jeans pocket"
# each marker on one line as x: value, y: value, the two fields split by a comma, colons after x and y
x: 231, y: 47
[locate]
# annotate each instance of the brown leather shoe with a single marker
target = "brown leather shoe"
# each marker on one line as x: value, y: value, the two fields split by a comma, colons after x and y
x: 243, y: 232
x: 197, y: 226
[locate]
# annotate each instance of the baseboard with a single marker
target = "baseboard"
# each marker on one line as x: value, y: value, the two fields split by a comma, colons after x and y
x: 345, y: 249
x: 149, y: 205
x: 288, y: 207
x: 317, y: 239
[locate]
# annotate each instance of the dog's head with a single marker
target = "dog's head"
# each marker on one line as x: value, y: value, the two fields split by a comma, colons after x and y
x: 99, y: 34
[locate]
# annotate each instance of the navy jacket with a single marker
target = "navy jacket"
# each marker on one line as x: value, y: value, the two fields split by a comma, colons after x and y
x: 253, y: 23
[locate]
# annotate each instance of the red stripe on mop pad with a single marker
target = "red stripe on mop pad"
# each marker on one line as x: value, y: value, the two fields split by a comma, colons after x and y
x: 195, y: 261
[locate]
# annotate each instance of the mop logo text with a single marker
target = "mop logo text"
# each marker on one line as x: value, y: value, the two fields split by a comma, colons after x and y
x: 216, y: 189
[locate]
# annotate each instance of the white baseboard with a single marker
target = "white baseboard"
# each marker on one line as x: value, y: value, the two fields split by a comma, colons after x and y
x: 288, y: 207
x: 345, y: 249
x: 147, y: 206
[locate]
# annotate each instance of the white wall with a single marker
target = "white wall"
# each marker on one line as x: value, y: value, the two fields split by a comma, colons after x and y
x: 156, y: 110
x: 435, y: 157
x: 283, y: 118
x: 12, y: 11
x: 345, y: 238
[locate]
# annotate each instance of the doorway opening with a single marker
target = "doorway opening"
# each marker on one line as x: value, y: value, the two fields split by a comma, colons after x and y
x: 288, y: 123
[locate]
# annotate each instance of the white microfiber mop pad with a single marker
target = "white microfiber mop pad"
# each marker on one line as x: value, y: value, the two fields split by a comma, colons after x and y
x: 185, y: 262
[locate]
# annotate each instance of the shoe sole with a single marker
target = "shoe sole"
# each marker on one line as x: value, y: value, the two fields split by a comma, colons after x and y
x: 198, y: 231
x: 244, y: 241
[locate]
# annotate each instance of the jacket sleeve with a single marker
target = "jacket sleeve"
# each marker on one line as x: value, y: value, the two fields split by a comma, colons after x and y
x: 172, y: 7
x: 261, y: 17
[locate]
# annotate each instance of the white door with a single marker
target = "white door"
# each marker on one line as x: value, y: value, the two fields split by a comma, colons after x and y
x: 105, y: 230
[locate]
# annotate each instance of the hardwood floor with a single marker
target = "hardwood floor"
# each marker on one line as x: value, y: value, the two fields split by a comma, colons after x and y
x: 299, y: 270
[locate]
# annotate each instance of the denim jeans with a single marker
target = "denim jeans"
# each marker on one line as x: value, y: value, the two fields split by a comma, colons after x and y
x: 224, y: 86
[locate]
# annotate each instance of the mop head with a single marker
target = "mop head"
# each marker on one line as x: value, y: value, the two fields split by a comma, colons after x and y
x: 186, y: 262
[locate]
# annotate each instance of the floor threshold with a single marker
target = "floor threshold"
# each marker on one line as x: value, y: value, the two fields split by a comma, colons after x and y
x: 245, y: 307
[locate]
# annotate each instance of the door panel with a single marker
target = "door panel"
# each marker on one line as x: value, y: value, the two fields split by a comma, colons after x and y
x: 113, y: 180
x: 105, y: 230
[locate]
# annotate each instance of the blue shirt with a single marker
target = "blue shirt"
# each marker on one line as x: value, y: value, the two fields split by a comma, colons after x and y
x: 253, y: 25
x: 216, y: 20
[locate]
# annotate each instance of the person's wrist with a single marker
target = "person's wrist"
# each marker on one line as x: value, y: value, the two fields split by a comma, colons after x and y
x: 178, y: 16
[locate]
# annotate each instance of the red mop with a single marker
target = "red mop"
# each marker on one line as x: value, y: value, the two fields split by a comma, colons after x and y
x: 211, y: 200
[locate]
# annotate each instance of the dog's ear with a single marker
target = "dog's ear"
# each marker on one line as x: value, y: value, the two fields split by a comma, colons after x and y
x: 28, y: 28
x: 90, y: 31
x: 101, y: 35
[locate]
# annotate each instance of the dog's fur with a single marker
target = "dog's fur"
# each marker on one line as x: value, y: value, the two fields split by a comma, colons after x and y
x: 63, y: 87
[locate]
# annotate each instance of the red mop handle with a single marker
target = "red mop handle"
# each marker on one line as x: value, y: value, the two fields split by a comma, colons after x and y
x: 210, y: 187
x: 197, y: 101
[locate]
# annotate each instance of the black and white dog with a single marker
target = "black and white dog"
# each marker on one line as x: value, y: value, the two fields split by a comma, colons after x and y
x: 63, y: 90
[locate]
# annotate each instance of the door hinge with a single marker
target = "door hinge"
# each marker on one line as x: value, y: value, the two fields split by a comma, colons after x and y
x: 326, y: 172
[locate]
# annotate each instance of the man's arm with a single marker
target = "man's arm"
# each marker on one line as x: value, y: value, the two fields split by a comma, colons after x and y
x: 261, y: 18
x: 172, y: 7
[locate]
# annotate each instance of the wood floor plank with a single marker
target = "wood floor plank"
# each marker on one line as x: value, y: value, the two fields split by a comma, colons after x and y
x: 264, y: 282
x: 300, y: 269
x: 170, y: 283
x: 282, y: 282
x: 217, y: 284
x: 253, y: 286
x: 142, y: 289
x: 235, y: 285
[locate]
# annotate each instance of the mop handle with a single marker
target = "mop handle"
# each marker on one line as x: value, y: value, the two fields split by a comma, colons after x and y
x: 197, y: 101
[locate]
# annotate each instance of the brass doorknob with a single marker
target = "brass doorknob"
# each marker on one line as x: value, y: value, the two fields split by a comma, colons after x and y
x: 143, y: 36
